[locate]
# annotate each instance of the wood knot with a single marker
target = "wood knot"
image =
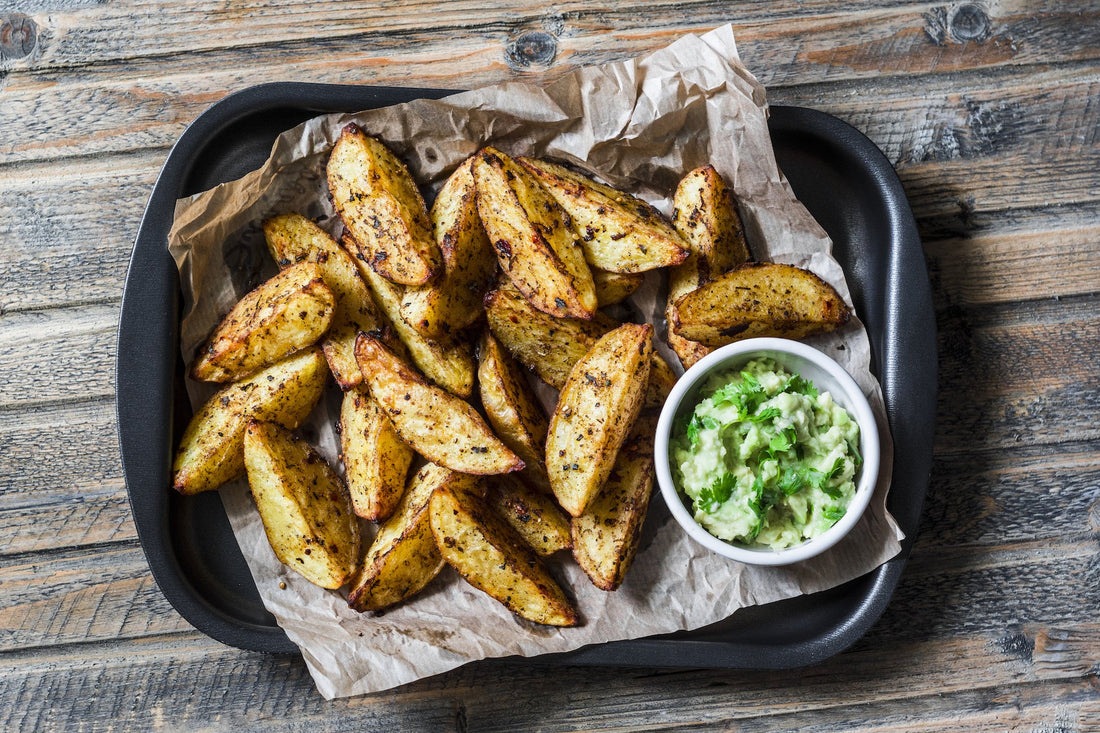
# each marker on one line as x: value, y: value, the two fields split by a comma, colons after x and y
x: 18, y: 36
x: 534, y: 48
x: 969, y: 22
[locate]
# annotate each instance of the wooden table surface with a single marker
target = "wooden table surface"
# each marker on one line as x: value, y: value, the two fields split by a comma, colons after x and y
x: 990, y: 112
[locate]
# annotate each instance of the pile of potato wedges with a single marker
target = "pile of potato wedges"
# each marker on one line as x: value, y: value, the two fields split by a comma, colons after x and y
x: 446, y: 447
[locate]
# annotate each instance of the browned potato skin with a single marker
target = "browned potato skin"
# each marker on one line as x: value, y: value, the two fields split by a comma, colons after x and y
x: 532, y: 513
x: 595, y: 410
x: 615, y: 287
x: 551, y: 346
x: 403, y: 557
x: 380, y: 204
x: 453, y: 301
x: 304, y: 507
x: 436, y: 424
x: 376, y: 460
x: 444, y: 361
x: 287, y: 313
x: 480, y: 545
x: 532, y: 237
x: 759, y: 299
x: 619, y: 232
x: 512, y: 409
x: 292, y: 238
x: 605, y: 537
x: 705, y: 213
x: 210, y: 452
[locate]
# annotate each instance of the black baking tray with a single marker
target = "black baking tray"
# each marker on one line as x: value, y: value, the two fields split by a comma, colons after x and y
x: 842, y: 178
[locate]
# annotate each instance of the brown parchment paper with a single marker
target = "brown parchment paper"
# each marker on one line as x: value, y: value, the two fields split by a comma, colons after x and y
x: 640, y: 125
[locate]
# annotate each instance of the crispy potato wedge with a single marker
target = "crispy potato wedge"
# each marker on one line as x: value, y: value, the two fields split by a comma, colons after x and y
x: 532, y: 237
x: 444, y: 361
x: 532, y: 513
x: 595, y: 410
x: 381, y: 206
x: 403, y: 557
x: 303, y: 504
x: 705, y: 214
x: 376, y: 460
x: 489, y: 554
x: 615, y: 287
x: 605, y: 537
x: 513, y: 409
x: 292, y: 238
x: 619, y: 232
x: 287, y: 313
x: 759, y: 299
x: 551, y: 346
x: 210, y: 452
x: 436, y: 424
x: 453, y: 301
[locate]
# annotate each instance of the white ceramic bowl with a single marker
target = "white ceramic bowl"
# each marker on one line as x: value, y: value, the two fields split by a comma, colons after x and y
x: 827, y: 376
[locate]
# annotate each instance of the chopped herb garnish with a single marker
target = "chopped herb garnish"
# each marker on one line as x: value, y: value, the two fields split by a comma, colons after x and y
x: 717, y: 494
x: 768, y: 413
x: 833, y: 513
x: 800, y: 385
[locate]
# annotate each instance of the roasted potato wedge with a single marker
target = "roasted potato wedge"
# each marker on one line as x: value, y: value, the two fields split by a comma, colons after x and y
x: 533, y: 237
x: 287, y: 313
x: 303, y: 504
x: 210, y: 452
x: 513, y: 409
x: 619, y: 232
x: 381, y: 206
x: 759, y: 299
x: 605, y: 536
x: 444, y: 361
x: 532, y: 513
x: 436, y: 424
x: 292, y: 238
x: 376, y: 460
x: 596, y: 407
x: 615, y: 287
x: 403, y: 557
x: 705, y: 213
x: 453, y: 301
x: 551, y: 346
x: 489, y: 554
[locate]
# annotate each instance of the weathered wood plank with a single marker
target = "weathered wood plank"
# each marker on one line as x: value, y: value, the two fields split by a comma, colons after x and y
x: 56, y: 355
x: 96, y: 516
x: 136, y: 106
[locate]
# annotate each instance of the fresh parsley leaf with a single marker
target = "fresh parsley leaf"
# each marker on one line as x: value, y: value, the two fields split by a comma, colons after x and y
x: 783, y: 441
x: 838, y: 466
x: 710, y: 423
x: 791, y: 481
x: 800, y: 385
x: 717, y: 494
x: 746, y: 394
x: 833, y: 513
x: 855, y: 453
x: 764, y: 415
x: 693, y: 430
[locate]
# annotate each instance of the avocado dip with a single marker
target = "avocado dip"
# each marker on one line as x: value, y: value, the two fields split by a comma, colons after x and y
x: 767, y: 460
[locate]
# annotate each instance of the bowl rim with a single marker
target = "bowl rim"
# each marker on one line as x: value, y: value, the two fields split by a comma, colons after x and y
x: 852, y: 399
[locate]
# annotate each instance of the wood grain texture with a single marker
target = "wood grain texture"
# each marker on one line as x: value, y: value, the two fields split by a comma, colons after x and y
x: 988, y: 110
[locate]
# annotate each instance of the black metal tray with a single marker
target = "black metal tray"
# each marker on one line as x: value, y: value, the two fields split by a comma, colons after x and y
x: 844, y: 180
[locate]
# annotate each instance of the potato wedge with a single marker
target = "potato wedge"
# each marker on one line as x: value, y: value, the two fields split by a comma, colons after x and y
x: 706, y: 216
x: 303, y: 504
x: 513, y: 409
x: 210, y: 452
x: 532, y: 513
x: 533, y: 237
x: 287, y: 313
x: 551, y: 346
x: 759, y: 299
x: 436, y: 424
x: 595, y: 410
x: 381, y: 206
x: 292, y: 238
x: 489, y: 554
x: 619, y: 232
x: 615, y: 287
x: 376, y: 460
x: 605, y: 537
x: 403, y: 557
x: 453, y: 301
x: 444, y: 361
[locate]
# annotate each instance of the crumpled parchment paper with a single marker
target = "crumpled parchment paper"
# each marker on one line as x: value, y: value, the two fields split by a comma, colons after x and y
x: 640, y: 125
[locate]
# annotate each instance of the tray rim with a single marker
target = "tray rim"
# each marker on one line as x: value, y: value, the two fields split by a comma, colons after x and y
x: 130, y: 383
